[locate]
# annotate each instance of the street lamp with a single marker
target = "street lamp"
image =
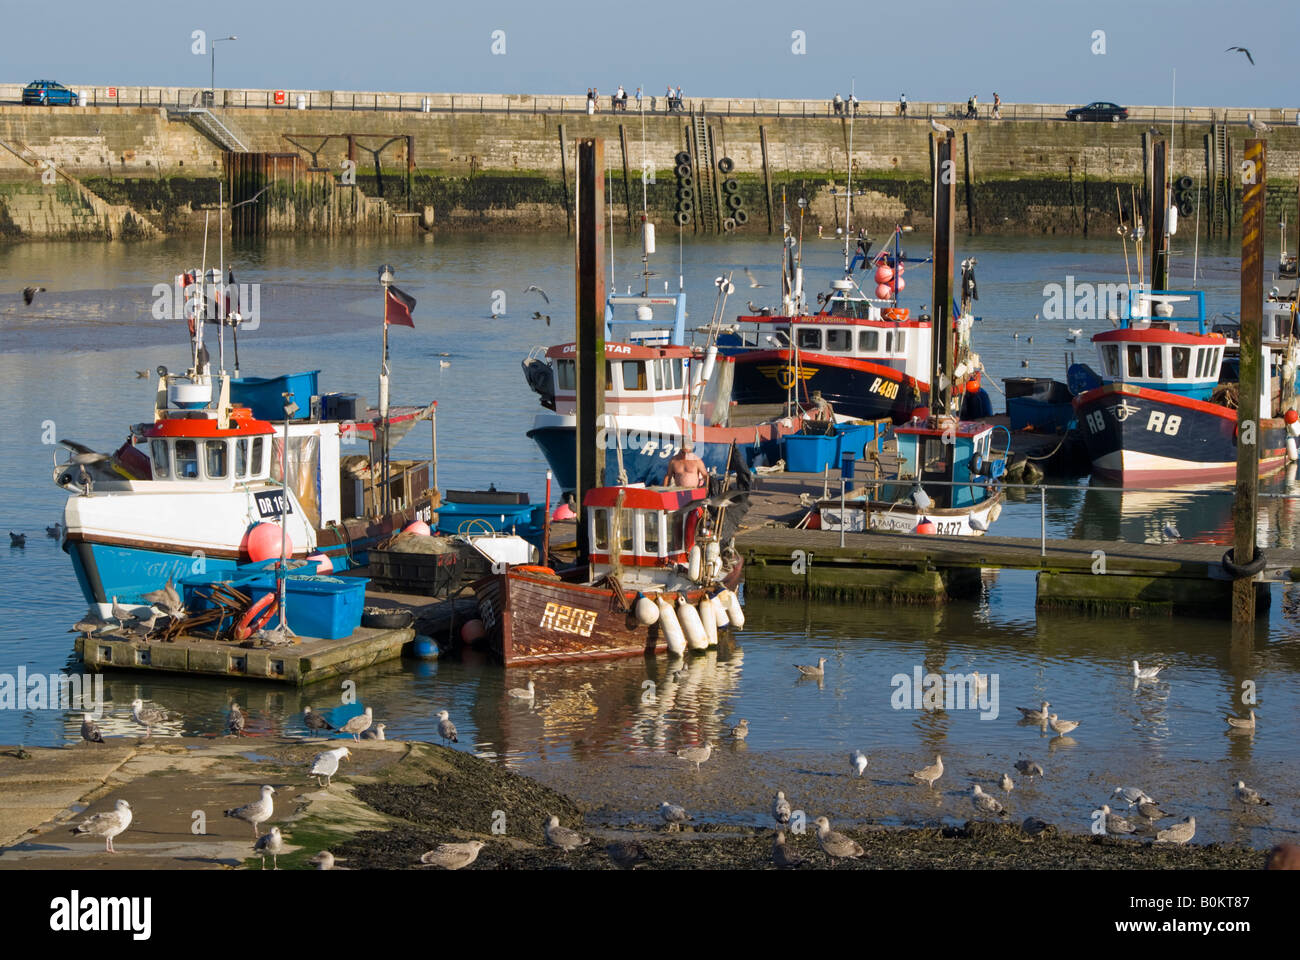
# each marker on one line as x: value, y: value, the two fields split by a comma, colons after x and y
x: 212, y: 77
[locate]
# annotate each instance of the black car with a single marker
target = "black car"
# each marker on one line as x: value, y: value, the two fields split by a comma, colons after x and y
x: 1098, y: 110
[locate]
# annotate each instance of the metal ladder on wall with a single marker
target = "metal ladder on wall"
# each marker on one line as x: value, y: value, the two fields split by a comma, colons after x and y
x: 206, y: 122
x: 1220, y: 182
x: 706, y: 207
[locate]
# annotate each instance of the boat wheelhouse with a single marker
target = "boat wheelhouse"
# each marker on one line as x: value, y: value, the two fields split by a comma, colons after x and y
x: 1158, y: 415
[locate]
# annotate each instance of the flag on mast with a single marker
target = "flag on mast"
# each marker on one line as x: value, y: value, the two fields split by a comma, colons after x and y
x: 398, y: 306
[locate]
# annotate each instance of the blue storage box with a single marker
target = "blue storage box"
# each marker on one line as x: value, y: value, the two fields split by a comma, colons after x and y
x: 853, y: 438
x: 326, y: 607
x: 262, y: 395
x: 806, y: 453
x: 522, y: 518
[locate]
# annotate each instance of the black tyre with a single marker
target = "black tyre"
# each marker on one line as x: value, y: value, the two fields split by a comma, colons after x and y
x: 725, y: 165
x: 734, y: 201
x: 683, y: 171
x: 682, y: 218
x: 740, y: 216
x: 682, y: 159
x: 685, y: 206
x: 729, y: 224
x: 686, y: 183
x: 1184, y: 183
x: 730, y: 185
x: 685, y: 193
x: 386, y: 619
x: 1245, y: 570
x: 1185, y: 207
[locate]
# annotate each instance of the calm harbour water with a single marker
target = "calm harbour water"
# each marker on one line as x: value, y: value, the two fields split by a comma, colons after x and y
x: 71, y: 359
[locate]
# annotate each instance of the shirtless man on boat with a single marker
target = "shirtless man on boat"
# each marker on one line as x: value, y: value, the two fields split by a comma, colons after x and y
x: 686, y: 469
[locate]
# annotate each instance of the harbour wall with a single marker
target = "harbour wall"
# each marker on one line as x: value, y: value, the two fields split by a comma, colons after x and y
x: 154, y: 170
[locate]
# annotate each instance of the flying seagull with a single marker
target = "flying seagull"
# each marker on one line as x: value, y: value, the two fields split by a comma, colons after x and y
x: 754, y: 284
x: 82, y: 455
x: 534, y: 288
x: 1242, y: 50
x: 29, y: 294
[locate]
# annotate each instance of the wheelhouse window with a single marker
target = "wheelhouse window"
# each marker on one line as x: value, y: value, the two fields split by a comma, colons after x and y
x: 810, y: 339
x: 676, y: 533
x: 627, y: 530
x: 1134, y: 360
x: 600, y: 530
x: 634, y: 377
x: 1110, y: 359
x: 868, y: 341
x: 566, y: 374
x: 609, y: 376
x: 1155, y: 362
x: 162, y: 468
x: 215, y: 460
x: 241, y: 458
x: 255, y: 468
x: 659, y: 373
x: 900, y: 341
x: 650, y: 532
x: 839, y: 340
x: 1180, y: 361
x: 187, y: 460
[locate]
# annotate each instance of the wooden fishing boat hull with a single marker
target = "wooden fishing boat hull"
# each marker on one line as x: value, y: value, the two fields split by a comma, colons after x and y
x: 891, y: 517
x: 531, y: 618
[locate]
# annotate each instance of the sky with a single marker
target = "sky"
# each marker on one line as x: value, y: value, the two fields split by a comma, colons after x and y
x: 1045, y: 51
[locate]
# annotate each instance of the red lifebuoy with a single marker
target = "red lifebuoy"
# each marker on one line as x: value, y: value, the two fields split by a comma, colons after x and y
x: 533, y: 568
x: 894, y: 313
x: 246, y: 627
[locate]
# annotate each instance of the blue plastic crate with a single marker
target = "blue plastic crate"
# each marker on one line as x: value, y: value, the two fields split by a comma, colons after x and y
x: 853, y: 438
x: 806, y: 453
x: 262, y: 395
x: 325, y: 607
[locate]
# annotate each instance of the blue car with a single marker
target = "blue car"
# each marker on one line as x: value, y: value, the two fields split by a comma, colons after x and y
x: 48, y: 93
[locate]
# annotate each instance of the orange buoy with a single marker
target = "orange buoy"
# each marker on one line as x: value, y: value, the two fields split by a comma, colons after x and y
x: 884, y: 291
x: 473, y: 630
x: 417, y: 526
x: 884, y: 273
x: 262, y: 542
x: 1291, y: 417
x: 926, y: 526
x: 563, y: 512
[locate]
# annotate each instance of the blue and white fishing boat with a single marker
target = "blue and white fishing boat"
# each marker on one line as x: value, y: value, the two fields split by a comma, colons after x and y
x: 190, y: 490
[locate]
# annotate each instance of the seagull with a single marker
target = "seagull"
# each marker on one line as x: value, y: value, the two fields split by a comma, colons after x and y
x: 1247, y: 795
x: 453, y: 856
x: 563, y: 837
x: 166, y: 597
x: 1132, y: 795
x: 754, y: 284
x: 257, y: 811
x: 273, y: 844
x: 147, y: 716
x: 1150, y: 810
x: 859, y: 763
x: 931, y: 773
x: 673, y: 815
x: 17, y: 539
x: 626, y: 853
x: 1006, y: 783
x: 89, y: 732
x: 444, y: 364
x: 235, y: 725
x: 1259, y: 126
x: 1241, y: 50
x: 983, y: 803
x: 1031, y: 338
x: 741, y: 730
x: 1145, y: 673
x: 921, y: 498
x: 1110, y: 823
x: 1240, y: 724
x: 1029, y: 768
x: 446, y: 729
x: 315, y: 721
x: 807, y: 670
x: 523, y: 693
x: 55, y: 531
x: 325, y: 861
x: 1034, y: 826
x: 939, y: 128
x: 978, y: 523
x: 1171, y: 532
x: 1038, y: 716
x: 836, y: 844
x: 327, y: 764
x: 1062, y: 727
x: 780, y: 808
x: 359, y: 724
x: 979, y: 682
x: 1178, y: 833
x: 782, y: 855
x: 534, y: 288
x: 141, y: 374
x: 695, y: 755
x: 374, y: 733
x: 29, y: 294
x: 107, y: 825
x: 82, y: 455
x: 1024, y: 363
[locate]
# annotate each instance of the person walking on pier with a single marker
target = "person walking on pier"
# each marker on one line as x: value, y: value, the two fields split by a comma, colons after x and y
x: 853, y: 99
x: 638, y: 99
x: 997, y: 106
x: 668, y: 100
x: 591, y: 101
x: 839, y: 104
x: 902, y: 104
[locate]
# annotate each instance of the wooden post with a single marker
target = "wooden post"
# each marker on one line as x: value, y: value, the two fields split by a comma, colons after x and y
x: 589, y: 313
x: 627, y: 189
x: 970, y: 199
x: 410, y: 172
x: 1158, y: 224
x: 1248, y: 412
x: 945, y: 205
x: 767, y: 176
x: 564, y: 175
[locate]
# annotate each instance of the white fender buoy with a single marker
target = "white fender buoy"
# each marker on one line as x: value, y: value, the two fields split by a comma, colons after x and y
x: 732, y: 603
x: 672, y: 630
x: 696, y: 638
x: 713, y: 559
x: 647, y: 614
x: 1291, y: 453
x: 719, y: 612
x: 694, y: 566
x: 709, y: 620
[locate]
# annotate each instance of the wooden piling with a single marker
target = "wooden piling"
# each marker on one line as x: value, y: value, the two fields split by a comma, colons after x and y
x: 1244, y: 502
x: 945, y: 204
x: 767, y: 175
x: 627, y: 188
x: 970, y: 198
x: 589, y: 314
x: 1158, y: 223
x: 564, y: 174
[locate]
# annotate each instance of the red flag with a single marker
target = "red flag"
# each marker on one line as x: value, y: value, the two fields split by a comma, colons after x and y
x: 398, y: 307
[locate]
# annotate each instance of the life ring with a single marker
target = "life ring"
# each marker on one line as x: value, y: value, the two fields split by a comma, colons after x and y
x: 725, y: 165
x: 1244, y: 571
x: 740, y: 216
x: 533, y: 568
x: 894, y: 313
x: 250, y: 622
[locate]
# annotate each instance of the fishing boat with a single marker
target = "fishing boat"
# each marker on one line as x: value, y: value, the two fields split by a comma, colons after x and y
x: 200, y: 487
x: 660, y: 392
x: 661, y: 578
x: 1162, y: 411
